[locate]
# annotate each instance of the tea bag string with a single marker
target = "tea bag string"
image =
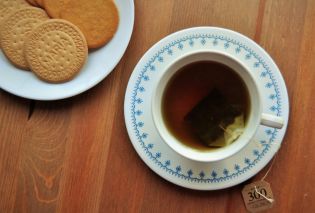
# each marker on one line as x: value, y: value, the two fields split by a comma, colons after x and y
x: 270, y: 167
x: 263, y: 178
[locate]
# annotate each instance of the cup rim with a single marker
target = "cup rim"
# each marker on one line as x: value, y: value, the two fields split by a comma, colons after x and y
x: 203, y: 156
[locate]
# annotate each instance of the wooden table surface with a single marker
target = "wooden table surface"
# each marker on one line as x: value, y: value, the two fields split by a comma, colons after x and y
x: 74, y: 155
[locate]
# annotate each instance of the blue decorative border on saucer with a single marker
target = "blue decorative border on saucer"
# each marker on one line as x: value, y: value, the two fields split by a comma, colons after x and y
x: 168, y: 50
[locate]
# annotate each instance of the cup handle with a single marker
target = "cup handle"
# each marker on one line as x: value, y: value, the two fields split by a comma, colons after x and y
x: 271, y: 121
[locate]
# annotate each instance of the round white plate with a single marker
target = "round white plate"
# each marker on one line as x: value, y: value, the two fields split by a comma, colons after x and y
x: 158, y: 155
x: 100, y: 63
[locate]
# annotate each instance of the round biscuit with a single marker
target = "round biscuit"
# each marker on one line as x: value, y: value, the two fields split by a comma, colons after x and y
x: 8, y: 6
x: 39, y: 2
x: 53, y: 7
x: 56, y: 50
x: 4, y: 13
x: 97, y: 19
x: 14, y: 31
x: 12, y: 3
x: 32, y: 2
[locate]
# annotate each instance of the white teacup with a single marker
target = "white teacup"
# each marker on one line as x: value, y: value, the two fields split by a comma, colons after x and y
x: 256, y: 115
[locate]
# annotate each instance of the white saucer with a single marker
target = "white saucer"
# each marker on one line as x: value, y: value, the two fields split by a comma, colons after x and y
x: 158, y: 155
x: 100, y: 63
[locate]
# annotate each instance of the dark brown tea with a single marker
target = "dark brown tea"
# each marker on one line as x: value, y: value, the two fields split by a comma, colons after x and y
x: 201, y: 100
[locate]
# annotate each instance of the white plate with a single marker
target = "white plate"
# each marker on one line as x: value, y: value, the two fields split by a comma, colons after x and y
x: 100, y: 63
x: 158, y: 155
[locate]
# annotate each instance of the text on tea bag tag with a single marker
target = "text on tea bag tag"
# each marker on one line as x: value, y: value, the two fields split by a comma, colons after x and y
x: 258, y: 196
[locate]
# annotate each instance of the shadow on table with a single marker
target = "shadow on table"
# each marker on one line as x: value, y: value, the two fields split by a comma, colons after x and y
x: 32, y: 106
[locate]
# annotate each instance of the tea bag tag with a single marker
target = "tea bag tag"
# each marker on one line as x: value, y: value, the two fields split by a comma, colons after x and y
x: 258, y: 196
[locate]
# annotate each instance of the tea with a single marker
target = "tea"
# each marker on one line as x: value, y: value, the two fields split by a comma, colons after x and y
x: 205, y: 103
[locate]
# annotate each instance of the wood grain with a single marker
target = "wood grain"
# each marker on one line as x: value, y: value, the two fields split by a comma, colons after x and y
x: 74, y: 155
x: 13, y: 117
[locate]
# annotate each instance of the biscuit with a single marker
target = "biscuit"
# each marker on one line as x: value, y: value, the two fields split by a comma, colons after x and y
x: 12, y: 3
x: 97, y: 19
x: 32, y: 2
x: 53, y: 7
x: 8, y: 6
x: 14, y: 30
x: 4, y: 12
x: 39, y: 2
x: 56, y: 50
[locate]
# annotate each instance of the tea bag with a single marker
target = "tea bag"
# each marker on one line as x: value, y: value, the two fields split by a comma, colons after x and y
x: 231, y: 133
x: 214, y: 121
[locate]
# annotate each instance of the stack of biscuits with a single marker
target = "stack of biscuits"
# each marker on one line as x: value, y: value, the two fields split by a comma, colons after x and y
x: 52, y: 37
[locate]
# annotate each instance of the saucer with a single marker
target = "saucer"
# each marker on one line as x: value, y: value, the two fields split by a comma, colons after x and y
x: 158, y: 155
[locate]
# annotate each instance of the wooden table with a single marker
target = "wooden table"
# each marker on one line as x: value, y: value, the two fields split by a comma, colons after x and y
x: 74, y: 155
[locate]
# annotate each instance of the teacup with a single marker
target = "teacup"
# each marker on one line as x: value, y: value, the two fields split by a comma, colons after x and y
x: 256, y: 115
